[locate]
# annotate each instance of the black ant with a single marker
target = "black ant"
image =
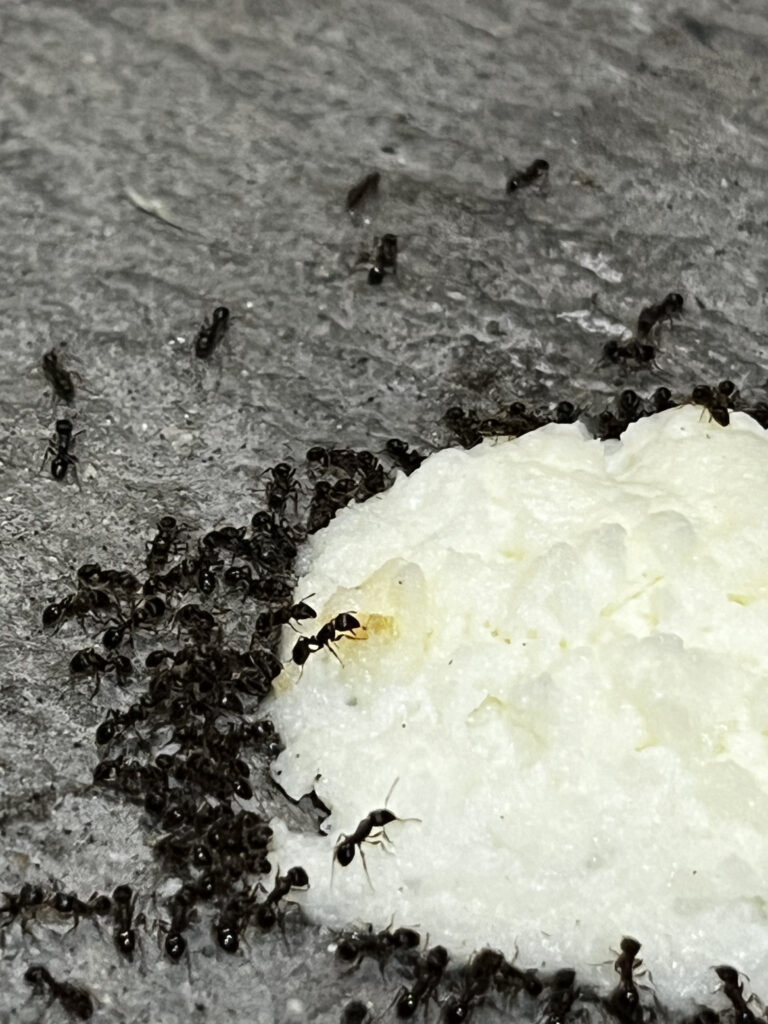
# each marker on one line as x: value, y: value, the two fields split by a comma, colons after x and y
x: 88, y: 662
x: 563, y: 993
x: 124, y: 934
x: 670, y: 306
x: 117, y: 581
x: 160, y: 546
x: 59, y: 447
x: 734, y: 991
x: 344, y: 851
x: 266, y: 912
x: 144, y: 616
x: 196, y: 621
x: 118, y: 721
x: 75, y: 999
x: 227, y: 538
x: 59, y: 378
x: 86, y: 601
x: 511, y: 979
x: 231, y: 921
x: 384, y: 258
x: 69, y: 904
x: 661, y: 399
x: 424, y: 988
x: 331, y: 632
x: 181, y: 906
x: 281, y: 488
x: 631, y: 352
x: 355, y: 1012
x: 478, y: 975
x: 209, y: 335
x: 381, y: 260
x: 463, y: 425
x: 408, y: 459
x: 129, y: 777
x: 268, y: 622
x: 19, y: 905
x: 536, y: 173
x: 365, y: 189
x: 717, y: 401
x: 380, y: 946
x: 624, y: 1001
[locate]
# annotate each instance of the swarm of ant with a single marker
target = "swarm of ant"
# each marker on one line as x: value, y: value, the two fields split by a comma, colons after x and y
x: 183, y: 750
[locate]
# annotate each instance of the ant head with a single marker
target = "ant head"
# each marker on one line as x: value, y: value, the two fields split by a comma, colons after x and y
x: 344, y: 853
x: 297, y: 877
x: 37, y: 974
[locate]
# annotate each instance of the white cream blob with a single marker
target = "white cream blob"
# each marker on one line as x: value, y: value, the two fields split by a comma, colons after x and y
x: 565, y: 666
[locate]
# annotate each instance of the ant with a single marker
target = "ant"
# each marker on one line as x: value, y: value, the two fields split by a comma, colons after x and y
x: 28, y: 898
x: 68, y: 903
x: 408, y: 459
x: 355, y: 1012
x: 59, y: 447
x: 281, y: 488
x: 670, y: 306
x: 734, y: 991
x: 120, y: 721
x: 145, y: 615
x: 380, y: 946
x: 344, y: 622
x: 624, y: 1001
x: 59, y: 378
x: 91, y: 575
x: 463, y: 425
x: 124, y: 934
x: 478, y: 975
x: 344, y: 851
x: 509, y: 978
x: 266, y: 622
x: 536, y: 173
x: 88, y: 662
x: 365, y: 189
x: 160, y: 547
x: 661, y: 399
x: 75, y: 999
x: 717, y: 401
x: 424, y: 988
x: 85, y: 601
x: 229, y: 538
x: 632, y: 351
x: 209, y: 335
x: 231, y: 921
x: 266, y: 914
x: 384, y: 258
x: 196, y: 621
x: 181, y: 906
x: 563, y: 994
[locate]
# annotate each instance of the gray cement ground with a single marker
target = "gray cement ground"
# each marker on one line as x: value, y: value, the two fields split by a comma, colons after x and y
x: 250, y: 120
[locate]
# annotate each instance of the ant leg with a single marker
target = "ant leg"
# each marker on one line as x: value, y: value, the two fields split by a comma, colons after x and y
x: 334, y: 654
x: 49, y: 452
x: 365, y: 869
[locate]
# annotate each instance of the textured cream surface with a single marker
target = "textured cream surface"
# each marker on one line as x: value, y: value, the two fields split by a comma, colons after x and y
x: 565, y: 667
